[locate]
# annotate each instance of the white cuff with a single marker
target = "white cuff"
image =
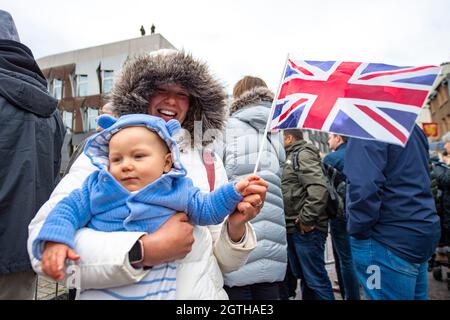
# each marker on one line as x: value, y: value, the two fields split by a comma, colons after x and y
x: 242, y: 241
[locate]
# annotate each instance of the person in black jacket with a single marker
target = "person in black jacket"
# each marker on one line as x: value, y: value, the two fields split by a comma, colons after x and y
x: 442, y: 173
x: 31, y: 137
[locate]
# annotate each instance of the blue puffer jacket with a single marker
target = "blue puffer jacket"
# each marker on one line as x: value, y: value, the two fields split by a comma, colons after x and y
x: 244, y: 130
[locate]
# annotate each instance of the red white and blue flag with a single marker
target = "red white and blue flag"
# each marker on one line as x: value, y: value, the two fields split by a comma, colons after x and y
x: 364, y: 100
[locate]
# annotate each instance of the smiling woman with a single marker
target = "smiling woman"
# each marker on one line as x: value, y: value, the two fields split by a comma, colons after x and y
x: 213, y: 249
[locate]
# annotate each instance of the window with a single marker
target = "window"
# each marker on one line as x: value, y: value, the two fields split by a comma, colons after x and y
x: 82, y: 85
x: 67, y: 119
x: 90, y: 115
x: 108, y: 79
x: 440, y: 98
x: 57, y: 89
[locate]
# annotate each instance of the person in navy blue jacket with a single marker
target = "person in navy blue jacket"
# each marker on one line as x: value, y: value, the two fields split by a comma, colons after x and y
x: 392, y: 217
x: 348, y: 283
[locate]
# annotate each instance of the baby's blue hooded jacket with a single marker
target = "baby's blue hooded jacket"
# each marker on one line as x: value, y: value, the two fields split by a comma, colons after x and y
x: 104, y: 204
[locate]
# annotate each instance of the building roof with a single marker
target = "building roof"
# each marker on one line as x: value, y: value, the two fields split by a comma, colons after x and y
x: 109, y: 53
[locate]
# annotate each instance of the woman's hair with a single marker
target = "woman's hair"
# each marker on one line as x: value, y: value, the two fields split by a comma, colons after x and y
x: 247, y: 83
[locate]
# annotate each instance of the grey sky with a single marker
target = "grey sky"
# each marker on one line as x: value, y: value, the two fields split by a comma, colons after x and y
x: 250, y: 37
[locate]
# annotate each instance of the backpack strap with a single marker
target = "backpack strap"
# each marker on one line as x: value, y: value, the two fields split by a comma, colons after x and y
x: 208, y: 161
x: 295, y: 162
x: 330, y: 177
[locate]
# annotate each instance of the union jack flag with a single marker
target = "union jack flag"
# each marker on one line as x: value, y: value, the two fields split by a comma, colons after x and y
x: 364, y: 100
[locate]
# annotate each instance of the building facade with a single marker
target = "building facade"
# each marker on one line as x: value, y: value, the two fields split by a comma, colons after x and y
x: 438, y: 102
x: 82, y: 79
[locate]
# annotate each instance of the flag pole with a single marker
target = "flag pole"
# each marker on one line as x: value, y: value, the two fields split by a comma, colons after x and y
x: 269, y: 120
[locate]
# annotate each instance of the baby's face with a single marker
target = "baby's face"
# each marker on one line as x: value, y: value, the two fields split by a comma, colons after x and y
x: 137, y: 157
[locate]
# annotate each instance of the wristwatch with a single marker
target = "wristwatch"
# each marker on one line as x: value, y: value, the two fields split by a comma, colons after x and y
x: 136, y: 254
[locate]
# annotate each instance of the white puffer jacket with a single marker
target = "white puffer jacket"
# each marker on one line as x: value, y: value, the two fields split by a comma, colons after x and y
x: 104, y: 256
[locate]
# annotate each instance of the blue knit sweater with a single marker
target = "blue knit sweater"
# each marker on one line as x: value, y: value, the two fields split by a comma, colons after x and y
x: 105, y: 205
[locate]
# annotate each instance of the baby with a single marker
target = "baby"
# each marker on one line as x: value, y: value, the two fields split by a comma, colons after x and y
x: 139, y: 184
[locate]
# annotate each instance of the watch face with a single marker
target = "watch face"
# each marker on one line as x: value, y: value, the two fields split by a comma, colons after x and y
x: 135, y: 254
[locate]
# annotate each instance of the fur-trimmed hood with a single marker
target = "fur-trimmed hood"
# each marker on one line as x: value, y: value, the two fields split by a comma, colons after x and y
x: 141, y: 76
x: 251, y: 97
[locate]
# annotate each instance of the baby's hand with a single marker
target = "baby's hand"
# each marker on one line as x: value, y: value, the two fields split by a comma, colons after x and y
x: 241, y: 185
x: 53, y: 258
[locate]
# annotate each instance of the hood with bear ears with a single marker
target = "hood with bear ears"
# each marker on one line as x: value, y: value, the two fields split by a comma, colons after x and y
x: 141, y: 76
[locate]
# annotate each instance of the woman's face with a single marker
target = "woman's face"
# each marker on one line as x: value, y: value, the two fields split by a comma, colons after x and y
x: 170, y: 101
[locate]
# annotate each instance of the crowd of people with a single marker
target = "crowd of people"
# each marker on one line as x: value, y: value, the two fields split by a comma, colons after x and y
x: 151, y: 209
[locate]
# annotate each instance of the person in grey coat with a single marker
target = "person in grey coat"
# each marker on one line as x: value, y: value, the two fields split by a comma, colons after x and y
x: 260, y: 277
x: 31, y: 136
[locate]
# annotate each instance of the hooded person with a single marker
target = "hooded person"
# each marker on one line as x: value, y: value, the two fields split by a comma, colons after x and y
x: 32, y: 134
x: 261, y: 276
x: 170, y: 85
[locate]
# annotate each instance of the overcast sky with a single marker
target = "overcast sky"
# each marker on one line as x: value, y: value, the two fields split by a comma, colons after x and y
x: 250, y: 37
